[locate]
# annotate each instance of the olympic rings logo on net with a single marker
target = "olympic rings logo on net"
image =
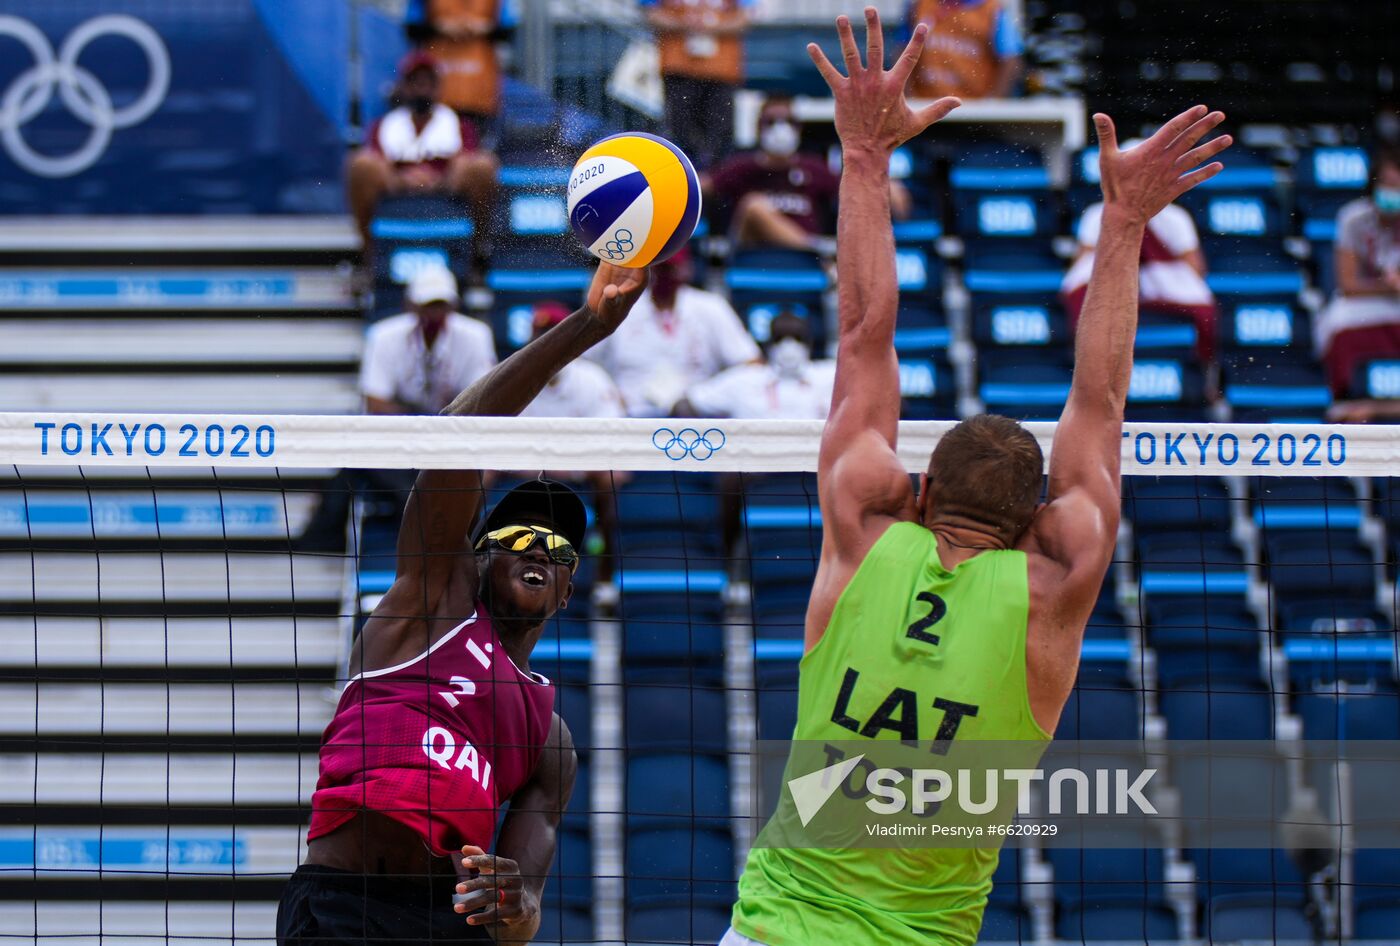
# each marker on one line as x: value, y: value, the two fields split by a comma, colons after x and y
x: 688, y: 442
x: 619, y: 246
x: 83, y: 94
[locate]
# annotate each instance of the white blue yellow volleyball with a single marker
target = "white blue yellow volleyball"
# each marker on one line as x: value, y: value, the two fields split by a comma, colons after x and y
x: 634, y: 199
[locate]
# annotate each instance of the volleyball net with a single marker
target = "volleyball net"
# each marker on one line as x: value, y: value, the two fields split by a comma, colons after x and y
x: 179, y: 593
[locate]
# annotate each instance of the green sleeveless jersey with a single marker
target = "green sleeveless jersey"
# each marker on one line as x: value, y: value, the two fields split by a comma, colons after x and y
x: 970, y: 684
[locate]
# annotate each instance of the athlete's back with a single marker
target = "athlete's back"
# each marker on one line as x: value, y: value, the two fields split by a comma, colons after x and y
x: 913, y: 651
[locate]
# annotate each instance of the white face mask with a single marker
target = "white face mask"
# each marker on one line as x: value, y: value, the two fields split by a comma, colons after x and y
x: 779, y: 139
x: 789, y: 358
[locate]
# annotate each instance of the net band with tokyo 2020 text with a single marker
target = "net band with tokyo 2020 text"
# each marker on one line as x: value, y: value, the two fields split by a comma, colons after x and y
x: 715, y: 445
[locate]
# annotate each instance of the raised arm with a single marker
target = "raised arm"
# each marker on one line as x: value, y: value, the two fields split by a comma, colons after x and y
x: 862, y: 485
x: 444, y: 503
x: 1078, y: 528
x: 872, y: 119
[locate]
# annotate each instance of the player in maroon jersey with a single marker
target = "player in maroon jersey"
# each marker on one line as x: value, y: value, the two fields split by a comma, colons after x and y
x: 442, y: 720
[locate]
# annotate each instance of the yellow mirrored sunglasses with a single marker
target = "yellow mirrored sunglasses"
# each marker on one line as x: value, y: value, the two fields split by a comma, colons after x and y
x: 520, y: 538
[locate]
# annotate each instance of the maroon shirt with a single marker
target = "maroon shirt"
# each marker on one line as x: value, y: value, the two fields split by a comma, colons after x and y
x: 803, y: 187
x: 437, y: 743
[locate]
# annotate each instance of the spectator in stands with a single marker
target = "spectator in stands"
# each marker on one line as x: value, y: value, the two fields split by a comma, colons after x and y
x: 781, y: 195
x: 582, y: 389
x: 462, y: 35
x: 1363, y: 319
x: 421, y: 146
x: 786, y: 385
x: 702, y: 63
x: 973, y: 50
x: 415, y: 363
x: 1171, y: 276
x: 676, y: 336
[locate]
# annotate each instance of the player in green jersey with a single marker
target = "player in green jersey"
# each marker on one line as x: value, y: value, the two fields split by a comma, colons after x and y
x: 955, y: 613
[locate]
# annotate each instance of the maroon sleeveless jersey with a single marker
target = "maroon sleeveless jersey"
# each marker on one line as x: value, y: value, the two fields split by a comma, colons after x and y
x: 437, y: 743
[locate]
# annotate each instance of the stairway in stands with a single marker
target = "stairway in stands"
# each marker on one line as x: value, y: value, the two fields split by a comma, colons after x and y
x: 185, y: 650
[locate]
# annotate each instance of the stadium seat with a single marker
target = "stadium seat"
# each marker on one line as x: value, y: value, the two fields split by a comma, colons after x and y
x: 1198, y: 710
x: 928, y: 388
x: 1377, y: 379
x: 679, y: 862
x: 1157, y: 504
x: 1114, y: 875
x: 522, y: 275
x: 410, y: 232
x: 1228, y: 872
x: 1190, y: 564
x: 1378, y: 920
x: 1256, y: 916
x: 674, y: 710
x: 1376, y: 874
x: 668, y: 521
x: 775, y: 683
x: 1031, y: 391
x: 1106, y: 918
x: 1262, y: 391
x: 921, y: 328
x: 762, y: 282
x: 1345, y: 711
x: 1165, y: 389
x: 1265, y: 330
x: 1220, y: 642
x: 1325, y: 179
x: 677, y: 785
x: 1020, y: 328
x: 568, y: 895
x: 1103, y: 705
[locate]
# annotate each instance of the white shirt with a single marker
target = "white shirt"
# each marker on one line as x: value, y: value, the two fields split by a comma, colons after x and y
x: 401, y: 142
x: 758, y: 391
x: 398, y: 366
x: 581, y: 389
x: 655, y: 356
x: 1163, y: 282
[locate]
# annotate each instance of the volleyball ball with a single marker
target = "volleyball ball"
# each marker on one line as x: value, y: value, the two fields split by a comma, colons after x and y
x: 634, y: 199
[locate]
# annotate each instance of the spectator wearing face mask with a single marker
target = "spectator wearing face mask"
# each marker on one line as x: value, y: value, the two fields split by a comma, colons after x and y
x: 787, y: 385
x: 702, y: 63
x: 781, y: 195
x: 676, y: 336
x: 422, y: 146
x: 1363, y: 319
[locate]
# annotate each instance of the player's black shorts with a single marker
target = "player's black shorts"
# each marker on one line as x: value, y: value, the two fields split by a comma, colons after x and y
x: 323, y: 906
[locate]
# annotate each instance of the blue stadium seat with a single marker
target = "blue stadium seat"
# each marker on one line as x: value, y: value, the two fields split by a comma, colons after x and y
x: 679, y: 862
x: 1377, y: 378
x: 1193, y: 564
x: 921, y: 328
x: 575, y: 708
x: 1331, y: 616
x: 677, y: 710
x: 680, y: 638
x: 1256, y: 916
x: 1165, y: 389
x: 1030, y: 391
x: 775, y: 685
x: 1023, y: 327
x: 1102, y: 708
x: 1166, y: 335
x: 1253, y: 329
x: 1261, y: 391
x: 1220, y: 643
x: 1015, y: 270
x: 1167, y: 503
x: 919, y: 274
x: 1325, y: 565
x: 1378, y: 920
x: 568, y: 895
x: 762, y: 282
x: 1350, y: 712
x: 1131, y: 921
x: 1099, y: 875
x: 1325, y: 179
x: 1001, y: 193
x: 671, y: 920
x: 1202, y: 710
x: 413, y: 231
x: 1376, y: 874
x: 522, y: 275
x: 1005, y: 919
x: 1084, y: 186
x: 928, y: 388
x: 1228, y: 872
x: 677, y: 785
x: 668, y: 521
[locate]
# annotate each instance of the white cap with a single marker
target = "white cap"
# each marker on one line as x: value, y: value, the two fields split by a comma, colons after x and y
x: 431, y: 284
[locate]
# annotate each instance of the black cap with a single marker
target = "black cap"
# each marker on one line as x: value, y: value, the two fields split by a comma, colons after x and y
x: 541, y: 502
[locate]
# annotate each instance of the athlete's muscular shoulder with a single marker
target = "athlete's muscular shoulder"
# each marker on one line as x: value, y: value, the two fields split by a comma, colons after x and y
x: 1068, y: 549
x: 405, y: 623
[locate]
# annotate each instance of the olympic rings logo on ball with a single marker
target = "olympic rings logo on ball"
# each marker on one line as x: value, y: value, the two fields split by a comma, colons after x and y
x: 688, y: 442
x: 619, y: 246
x: 82, y: 93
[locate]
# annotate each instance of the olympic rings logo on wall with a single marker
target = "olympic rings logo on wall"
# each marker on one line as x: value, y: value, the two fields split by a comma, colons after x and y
x: 688, y: 442
x: 82, y: 93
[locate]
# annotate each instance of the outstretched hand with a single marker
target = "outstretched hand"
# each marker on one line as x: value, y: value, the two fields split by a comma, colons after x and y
x: 613, y: 293
x: 1141, y: 181
x: 871, y: 112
